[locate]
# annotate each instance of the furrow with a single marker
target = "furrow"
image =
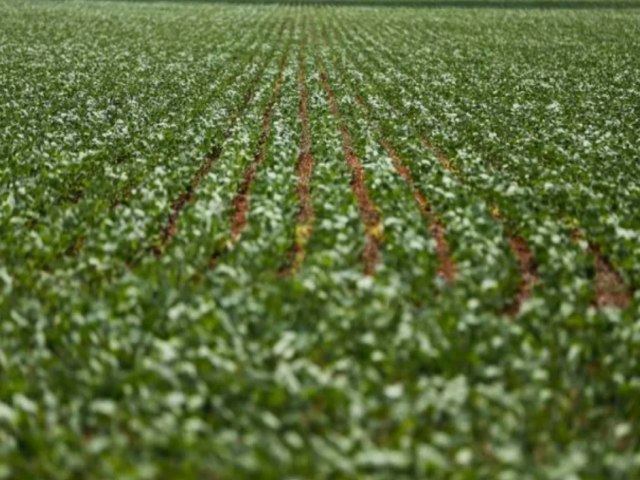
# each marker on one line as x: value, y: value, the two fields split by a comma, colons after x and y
x: 442, y: 158
x: 240, y: 203
x: 126, y: 191
x: 610, y: 289
x: 446, y: 265
x: 368, y: 211
x: 170, y: 229
x: 528, y: 270
x: 304, y: 171
x: 527, y: 267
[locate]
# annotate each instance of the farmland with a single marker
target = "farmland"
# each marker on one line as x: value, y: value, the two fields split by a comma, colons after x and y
x: 357, y: 239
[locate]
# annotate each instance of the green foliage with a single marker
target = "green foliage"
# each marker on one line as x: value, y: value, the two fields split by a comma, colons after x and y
x: 124, y: 354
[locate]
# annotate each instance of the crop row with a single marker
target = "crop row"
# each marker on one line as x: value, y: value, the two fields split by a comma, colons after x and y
x: 314, y: 241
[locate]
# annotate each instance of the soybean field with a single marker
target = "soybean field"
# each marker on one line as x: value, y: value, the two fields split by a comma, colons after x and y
x: 372, y: 239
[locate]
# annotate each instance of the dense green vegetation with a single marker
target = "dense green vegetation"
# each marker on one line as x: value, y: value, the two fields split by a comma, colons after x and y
x: 254, y: 240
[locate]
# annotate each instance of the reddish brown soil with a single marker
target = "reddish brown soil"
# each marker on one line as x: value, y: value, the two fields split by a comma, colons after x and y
x: 125, y: 192
x: 440, y: 155
x: 171, y: 227
x: 528, y: 273
x: 304, y: 170
x: 527, y: 267
x: 610, y: 289
x: 241, y: 201
x: 368, y: 211
x: 446, y: 267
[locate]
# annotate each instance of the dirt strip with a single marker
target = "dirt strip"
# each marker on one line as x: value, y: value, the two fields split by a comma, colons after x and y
x: 304, y: 171
x: 170, y: 228
x: 241, y: 201
x: 528, y: 273
x: 368, y: 211
x: 526, y: 262
x: 440, y: 156
x: 610, y: 289
x: 527, y: 267
x: 446, y: 265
